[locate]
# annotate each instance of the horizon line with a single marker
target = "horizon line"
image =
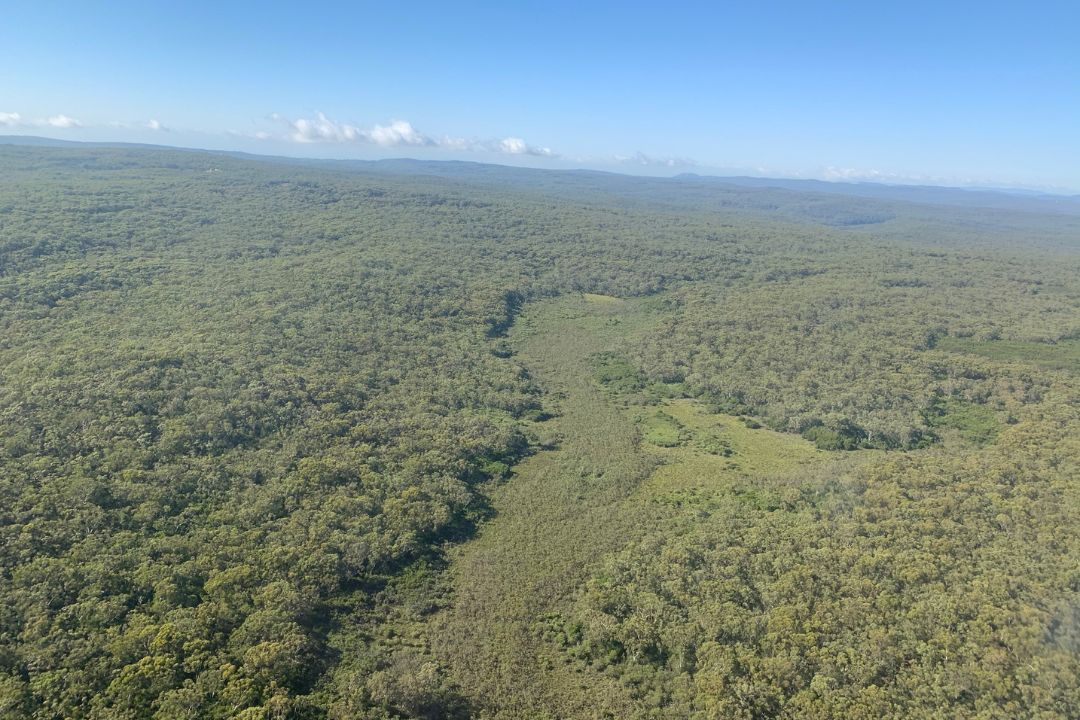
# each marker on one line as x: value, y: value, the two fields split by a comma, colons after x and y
x: 690, y: 171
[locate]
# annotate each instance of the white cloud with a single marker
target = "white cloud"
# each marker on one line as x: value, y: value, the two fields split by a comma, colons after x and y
x: 841, y: 174
x: 62, y: 121
x: 513, y: 146
x: 517, y: 146
x: 321, y: 129
x: 452, y: 143
x: 14, y: 119
x: 398, y: 132
x: 152, y: 124
x: 324, y: 130
x: 640, y: 158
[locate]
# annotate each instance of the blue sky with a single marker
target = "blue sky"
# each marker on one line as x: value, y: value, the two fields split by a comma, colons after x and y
x: 944, y: 92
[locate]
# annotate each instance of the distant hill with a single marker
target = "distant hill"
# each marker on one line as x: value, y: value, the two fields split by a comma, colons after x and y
x: 890, y: 209
x: 37, y: 141
x: 1005, y: 199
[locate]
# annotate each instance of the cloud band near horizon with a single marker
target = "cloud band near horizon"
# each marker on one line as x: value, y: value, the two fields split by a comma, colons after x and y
x: 397, y: 133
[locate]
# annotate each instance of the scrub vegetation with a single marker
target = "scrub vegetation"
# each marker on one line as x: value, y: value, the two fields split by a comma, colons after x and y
x: 406, y: 440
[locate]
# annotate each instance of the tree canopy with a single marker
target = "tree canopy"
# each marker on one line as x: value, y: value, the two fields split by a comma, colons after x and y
x: 269, y: 430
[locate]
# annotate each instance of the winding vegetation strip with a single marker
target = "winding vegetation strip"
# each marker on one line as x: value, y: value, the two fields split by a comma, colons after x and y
x: 562, y: 511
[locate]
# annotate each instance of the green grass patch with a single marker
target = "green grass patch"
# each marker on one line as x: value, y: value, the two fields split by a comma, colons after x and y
x: 976, y: 423
x: 1063, y: 355
x: 714, y: 445
x: 663, y: 430
x: 602, y: 299
x: 618, y: 374
x: 716, y: 449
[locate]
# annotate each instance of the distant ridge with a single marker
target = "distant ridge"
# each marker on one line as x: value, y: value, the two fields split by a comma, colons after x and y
x: 38, y: 141
x: 999, y: 198
x: 564, y: 180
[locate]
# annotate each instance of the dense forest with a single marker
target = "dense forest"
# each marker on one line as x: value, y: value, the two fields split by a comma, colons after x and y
x: 285, y: 439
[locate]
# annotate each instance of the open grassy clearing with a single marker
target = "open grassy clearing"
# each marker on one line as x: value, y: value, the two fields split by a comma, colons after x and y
x: 562, y: 509
x: 1063, y: 355
x: 598, y: 298
x: 614, y: 470
x: 724, y: 446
